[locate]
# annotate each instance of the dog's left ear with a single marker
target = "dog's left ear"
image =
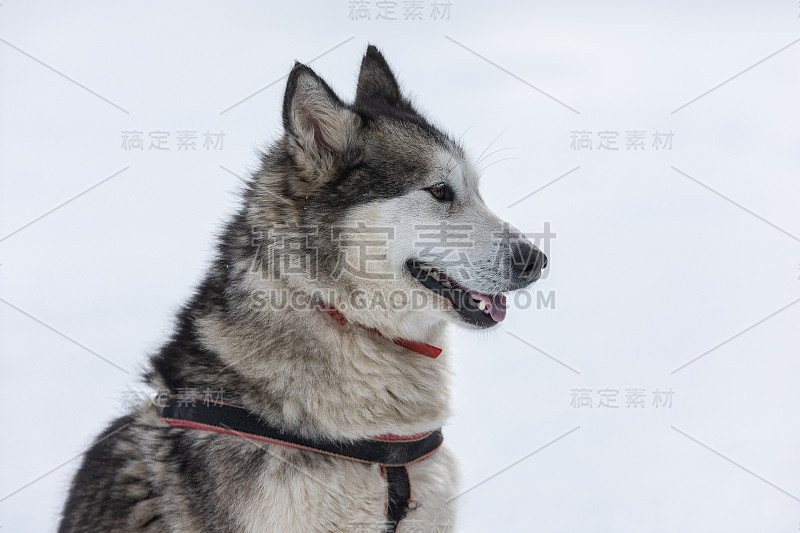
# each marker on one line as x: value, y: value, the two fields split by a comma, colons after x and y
x: 315, y: 118
x: 376, y: 81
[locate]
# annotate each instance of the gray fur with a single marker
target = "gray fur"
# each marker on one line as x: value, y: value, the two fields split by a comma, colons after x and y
x: 336, y: 164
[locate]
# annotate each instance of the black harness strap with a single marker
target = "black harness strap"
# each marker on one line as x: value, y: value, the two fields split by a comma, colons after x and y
x: 392, y: 452
x: 399, y: 496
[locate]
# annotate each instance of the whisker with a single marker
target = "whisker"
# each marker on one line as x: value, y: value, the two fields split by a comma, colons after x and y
x: 458, y: 142
x: 498, y: 161
x: 487, y: 156
x: 490, y: 144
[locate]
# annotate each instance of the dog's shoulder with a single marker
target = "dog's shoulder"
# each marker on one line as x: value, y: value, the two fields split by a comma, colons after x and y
x: 106, y: 484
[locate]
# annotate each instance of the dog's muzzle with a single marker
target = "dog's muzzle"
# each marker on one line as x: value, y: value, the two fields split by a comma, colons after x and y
x: 527, y: 263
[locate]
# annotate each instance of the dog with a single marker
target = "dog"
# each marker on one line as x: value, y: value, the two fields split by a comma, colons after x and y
x: 306, y: 379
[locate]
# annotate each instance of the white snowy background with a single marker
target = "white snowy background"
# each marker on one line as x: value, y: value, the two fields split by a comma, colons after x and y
x: 660, y: 256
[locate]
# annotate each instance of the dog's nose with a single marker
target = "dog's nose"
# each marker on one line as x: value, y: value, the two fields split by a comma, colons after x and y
x: 527, y: 262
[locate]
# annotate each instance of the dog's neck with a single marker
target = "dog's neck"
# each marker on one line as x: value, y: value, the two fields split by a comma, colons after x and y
x: 302, y: 369
x: 419, y: 347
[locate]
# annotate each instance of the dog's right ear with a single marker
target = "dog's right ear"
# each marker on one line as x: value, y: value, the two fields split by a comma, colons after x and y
x: 315, y: 118
x: 376, y: 81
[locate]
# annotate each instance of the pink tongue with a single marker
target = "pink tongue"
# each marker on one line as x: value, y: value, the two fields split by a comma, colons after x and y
x: 496, y: 305
x: 498, y: 308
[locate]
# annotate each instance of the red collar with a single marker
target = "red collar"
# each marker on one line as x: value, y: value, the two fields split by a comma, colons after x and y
x: 415, y: 346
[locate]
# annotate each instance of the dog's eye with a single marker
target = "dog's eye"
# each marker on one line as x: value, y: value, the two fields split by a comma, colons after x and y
x: 442, y: 192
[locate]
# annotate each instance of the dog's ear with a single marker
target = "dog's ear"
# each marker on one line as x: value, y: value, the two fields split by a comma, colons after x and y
x: 319, y: 122
x: 377, y: 82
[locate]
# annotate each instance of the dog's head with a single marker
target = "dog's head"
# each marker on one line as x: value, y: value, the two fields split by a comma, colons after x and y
x: 387, y: 210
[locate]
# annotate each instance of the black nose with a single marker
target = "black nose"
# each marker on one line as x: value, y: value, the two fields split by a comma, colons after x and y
x: 527, y: 262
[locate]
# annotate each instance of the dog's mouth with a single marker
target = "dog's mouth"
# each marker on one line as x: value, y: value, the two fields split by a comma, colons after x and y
x: 475, y: 308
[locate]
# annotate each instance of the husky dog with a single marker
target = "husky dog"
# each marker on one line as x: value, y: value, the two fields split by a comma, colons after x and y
x: 359, y: 238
